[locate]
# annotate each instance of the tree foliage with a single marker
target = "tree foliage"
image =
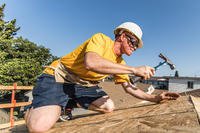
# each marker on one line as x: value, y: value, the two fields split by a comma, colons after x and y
x: 20, y: 59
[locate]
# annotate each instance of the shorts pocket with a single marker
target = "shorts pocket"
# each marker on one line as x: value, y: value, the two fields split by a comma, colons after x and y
x: 82, y: 91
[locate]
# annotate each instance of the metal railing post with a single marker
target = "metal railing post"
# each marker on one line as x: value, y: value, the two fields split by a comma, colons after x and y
x: 13, y: 101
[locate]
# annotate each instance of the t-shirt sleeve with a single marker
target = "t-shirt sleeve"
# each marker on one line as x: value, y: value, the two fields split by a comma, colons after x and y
x: 96, y: 44
x: 121, y: 78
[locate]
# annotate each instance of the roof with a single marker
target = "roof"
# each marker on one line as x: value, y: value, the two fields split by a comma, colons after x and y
x: 172, y: 77
x: 134, y: 115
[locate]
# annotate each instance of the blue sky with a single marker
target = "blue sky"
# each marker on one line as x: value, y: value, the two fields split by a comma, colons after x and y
x: 171, y: 27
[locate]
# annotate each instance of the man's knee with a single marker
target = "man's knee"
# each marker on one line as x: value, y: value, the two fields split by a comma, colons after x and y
x: 103, y: 104
x: 43, y: 118
x: 37, y: 129
x: 39, y: 125
x: 109, y: 107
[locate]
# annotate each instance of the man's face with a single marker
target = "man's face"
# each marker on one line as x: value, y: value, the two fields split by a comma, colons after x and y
x: 130, y: 43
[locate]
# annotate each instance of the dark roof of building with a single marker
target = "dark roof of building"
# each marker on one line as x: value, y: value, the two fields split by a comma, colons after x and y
x: 166, y: 78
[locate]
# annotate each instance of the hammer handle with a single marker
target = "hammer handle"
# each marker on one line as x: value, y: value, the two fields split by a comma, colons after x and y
x: 160, y: 64
x: 136, y: 79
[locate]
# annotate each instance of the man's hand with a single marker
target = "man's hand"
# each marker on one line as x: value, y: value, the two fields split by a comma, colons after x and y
x: 167, y: 96
x: 145, y: 72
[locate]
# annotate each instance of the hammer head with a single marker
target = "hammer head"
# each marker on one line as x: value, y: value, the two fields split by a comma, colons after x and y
x: 172, y: 66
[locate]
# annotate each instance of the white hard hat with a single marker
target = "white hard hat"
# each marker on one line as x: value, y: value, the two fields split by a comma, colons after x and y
x: 131, y: 28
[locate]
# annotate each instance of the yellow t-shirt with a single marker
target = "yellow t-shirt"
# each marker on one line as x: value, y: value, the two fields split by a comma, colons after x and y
x: 74, y: 61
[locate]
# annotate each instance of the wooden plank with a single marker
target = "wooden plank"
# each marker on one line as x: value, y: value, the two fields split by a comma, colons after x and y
x: 18, y: 87
x: 10, y: 105
x: 7, y: 125
x: 196, y: 102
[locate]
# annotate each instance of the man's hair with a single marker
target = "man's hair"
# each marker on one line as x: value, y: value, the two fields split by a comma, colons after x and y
x: 118, y: 33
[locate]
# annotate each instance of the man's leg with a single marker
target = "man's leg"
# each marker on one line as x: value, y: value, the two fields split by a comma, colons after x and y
x: 103, y: 105
x: 93, y: 98
x: 48, y: 98
x: 43, y: 118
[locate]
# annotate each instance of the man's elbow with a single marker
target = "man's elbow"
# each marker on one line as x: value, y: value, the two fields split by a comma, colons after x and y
x: 126, y: 87
x: 89, y: 65
x: 126, y: 91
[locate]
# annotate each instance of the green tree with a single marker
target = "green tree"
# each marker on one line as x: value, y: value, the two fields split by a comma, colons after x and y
x: 20, y: 59
x: 7, y: 29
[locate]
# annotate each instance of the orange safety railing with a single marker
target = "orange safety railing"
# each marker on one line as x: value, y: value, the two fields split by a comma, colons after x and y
x: 13, y: 103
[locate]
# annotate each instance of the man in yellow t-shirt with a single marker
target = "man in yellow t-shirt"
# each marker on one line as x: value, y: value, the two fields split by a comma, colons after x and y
x: 74, y: 61
x: 75, y: 77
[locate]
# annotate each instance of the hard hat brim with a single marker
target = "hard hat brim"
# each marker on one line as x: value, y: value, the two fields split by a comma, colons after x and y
x: 140, y: 44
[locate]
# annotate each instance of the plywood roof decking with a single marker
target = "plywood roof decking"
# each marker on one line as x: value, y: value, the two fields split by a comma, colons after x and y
x: 195, y: 93
x: 175, y: 116
x: 170, y: 116
x: 196, y: 103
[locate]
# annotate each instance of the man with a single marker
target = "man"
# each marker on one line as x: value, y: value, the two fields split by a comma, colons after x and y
x: 76, y: 76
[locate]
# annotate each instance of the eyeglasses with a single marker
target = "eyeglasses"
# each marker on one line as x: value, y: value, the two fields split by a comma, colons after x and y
x: 133, y: 41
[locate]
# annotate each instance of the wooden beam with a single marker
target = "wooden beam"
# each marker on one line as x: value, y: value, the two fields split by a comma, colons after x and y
x: 196, y: 102
x: 18, y: 87
x: 7, y: 125
x: 10, y: 105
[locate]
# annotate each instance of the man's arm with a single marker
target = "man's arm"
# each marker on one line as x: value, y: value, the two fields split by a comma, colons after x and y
x: 134, y: 91
x: 96, y: 63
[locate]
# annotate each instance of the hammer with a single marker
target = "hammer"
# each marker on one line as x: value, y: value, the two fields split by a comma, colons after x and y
x: 166, y: 61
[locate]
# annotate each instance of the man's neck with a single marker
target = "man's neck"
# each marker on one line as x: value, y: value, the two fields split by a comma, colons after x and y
x: 117, y: 49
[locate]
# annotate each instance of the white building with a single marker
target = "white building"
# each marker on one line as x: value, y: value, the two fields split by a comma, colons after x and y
x: 181, y: 84
x: 174, y: 84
